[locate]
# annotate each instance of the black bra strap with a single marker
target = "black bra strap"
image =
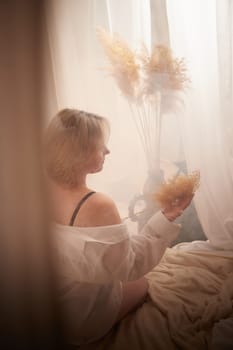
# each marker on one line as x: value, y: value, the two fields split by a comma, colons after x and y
x: 76, y: 210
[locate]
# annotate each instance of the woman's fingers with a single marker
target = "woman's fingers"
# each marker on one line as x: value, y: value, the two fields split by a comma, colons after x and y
x: 184, y: 202
x: 177, y: 207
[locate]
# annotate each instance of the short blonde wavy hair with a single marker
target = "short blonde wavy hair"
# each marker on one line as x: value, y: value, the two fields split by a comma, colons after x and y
x: 69, y: 140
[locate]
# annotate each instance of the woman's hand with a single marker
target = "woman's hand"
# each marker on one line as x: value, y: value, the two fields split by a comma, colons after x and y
x: 177, y: 207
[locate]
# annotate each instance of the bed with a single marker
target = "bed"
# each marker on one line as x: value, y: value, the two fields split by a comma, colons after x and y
x: 189, y: 306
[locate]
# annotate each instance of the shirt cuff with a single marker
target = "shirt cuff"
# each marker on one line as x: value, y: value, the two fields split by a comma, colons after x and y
x: 162, y: 226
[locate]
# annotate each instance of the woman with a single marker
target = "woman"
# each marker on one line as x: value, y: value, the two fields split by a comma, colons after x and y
x: 101, y: 266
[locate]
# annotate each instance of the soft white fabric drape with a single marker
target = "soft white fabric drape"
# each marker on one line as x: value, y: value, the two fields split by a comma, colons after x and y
x: 199, y: 31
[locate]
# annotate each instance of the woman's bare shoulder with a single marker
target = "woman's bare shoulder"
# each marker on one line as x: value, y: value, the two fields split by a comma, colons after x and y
x: 100, y: 210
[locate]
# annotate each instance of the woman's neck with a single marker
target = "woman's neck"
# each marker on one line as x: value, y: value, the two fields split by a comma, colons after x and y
x: 64, y: 191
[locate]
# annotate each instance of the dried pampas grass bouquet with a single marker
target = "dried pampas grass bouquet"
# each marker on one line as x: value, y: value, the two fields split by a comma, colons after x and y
x: 180, y: 186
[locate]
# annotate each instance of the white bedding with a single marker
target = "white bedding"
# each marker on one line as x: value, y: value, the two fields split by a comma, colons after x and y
x: 189, y: 293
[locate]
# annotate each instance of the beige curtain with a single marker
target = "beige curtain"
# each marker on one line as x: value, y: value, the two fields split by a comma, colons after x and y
x: 27, y: 302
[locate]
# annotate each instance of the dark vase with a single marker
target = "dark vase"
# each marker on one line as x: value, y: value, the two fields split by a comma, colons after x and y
x: 143, y: 206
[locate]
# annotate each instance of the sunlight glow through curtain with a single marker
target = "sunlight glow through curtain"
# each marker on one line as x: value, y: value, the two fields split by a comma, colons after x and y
x: 200, y: 31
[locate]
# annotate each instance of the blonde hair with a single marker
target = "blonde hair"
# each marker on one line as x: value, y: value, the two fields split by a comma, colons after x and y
x: 70, y: 138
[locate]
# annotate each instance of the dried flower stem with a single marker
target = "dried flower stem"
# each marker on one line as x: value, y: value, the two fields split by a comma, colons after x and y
x: 143, y: 78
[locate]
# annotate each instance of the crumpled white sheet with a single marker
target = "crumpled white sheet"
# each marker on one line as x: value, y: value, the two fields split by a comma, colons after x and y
x: 189, y: 293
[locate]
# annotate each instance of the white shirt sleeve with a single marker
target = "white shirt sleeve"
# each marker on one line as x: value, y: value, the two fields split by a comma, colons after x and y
x: 149, y: 246
x: 89, y: 310
x: 132, y: 256
x: 122, y: 256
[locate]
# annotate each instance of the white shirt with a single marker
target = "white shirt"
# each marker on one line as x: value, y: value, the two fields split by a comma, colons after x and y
x: 93, y: 260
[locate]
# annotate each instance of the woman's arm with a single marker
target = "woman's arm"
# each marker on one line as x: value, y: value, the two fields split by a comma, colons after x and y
x: 133, y: 295
x: 101, y: 210
x: 149, y: 246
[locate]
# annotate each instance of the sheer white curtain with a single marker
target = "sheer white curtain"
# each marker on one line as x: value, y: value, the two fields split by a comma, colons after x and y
x: 201, y: 31
x: 224, y: 10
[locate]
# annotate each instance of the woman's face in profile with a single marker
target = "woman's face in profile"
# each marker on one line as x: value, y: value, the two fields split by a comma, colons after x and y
x: 97, y: 157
